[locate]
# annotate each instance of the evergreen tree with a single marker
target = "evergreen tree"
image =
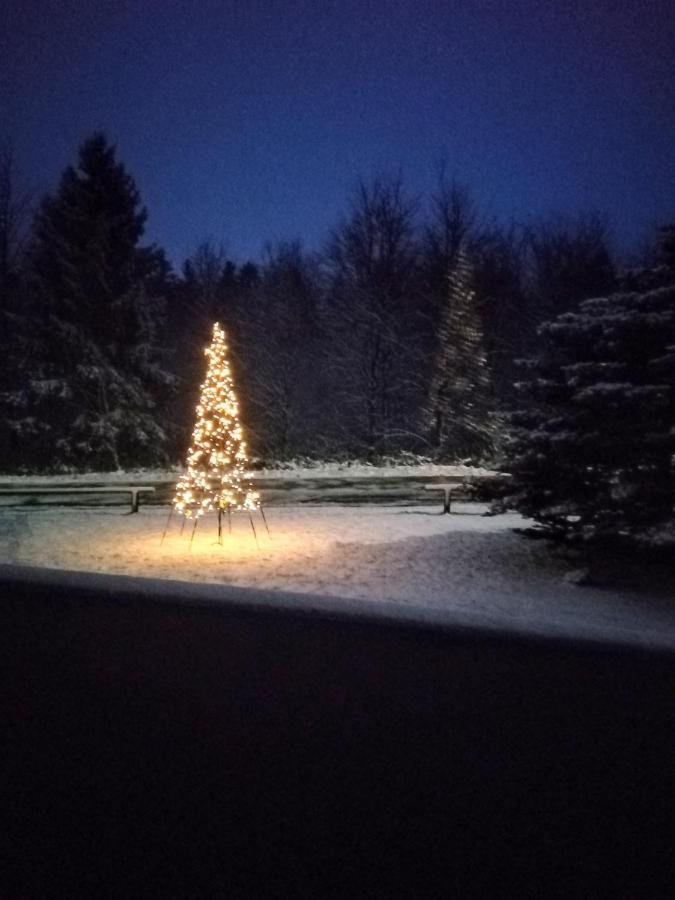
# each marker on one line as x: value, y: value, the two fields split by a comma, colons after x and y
x: 457, y: 409
x: 98, y: 381
x: 592, y: 455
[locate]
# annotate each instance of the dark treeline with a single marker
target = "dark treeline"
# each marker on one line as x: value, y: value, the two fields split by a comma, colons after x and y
x: 402, y: 336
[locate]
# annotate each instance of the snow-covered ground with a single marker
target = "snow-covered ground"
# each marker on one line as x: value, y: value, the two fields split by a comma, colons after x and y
x: 466, y: 563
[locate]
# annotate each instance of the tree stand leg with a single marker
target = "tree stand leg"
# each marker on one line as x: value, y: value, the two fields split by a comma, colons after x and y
x: 220, y: 526
x: 166, y: 527
x: 194, y: 528
x: 229, y: 518
x: 250, y: 518
x: 182, y: 527
x: 262, y: 513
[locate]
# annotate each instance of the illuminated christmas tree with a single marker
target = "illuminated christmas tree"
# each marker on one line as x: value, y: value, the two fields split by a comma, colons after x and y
x: 216, y: 478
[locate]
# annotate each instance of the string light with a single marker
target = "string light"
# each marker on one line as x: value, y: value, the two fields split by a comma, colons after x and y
x: 215, y: 478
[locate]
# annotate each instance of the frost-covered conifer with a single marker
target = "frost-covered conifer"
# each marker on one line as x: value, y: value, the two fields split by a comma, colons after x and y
x: 97, y: 380
x: 593, y: 449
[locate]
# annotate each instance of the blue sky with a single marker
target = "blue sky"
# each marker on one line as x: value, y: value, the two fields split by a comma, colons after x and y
x: 248, y: 122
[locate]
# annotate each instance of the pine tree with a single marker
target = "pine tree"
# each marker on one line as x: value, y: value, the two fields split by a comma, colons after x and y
x: 592, y: 453
x: 98, y: 379
x: 215, y: 478
x: 456, y: 412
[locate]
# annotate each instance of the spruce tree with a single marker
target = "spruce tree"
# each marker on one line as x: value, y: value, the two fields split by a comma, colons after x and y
x: 456, y: 413
x: 98, y: 380
x: 592, y: 452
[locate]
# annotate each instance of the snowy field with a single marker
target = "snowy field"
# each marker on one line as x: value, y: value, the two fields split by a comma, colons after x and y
x: 469, y: 564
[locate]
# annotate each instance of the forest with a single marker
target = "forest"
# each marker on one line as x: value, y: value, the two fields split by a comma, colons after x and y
x: 420, y: 328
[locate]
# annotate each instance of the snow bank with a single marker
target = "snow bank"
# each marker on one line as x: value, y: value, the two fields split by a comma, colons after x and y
x: 465, y: 563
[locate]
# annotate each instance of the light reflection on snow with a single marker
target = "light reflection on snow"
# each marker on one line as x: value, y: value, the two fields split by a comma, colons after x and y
x: 463, y: 562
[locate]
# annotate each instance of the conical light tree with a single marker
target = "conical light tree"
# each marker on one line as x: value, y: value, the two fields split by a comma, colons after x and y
x: 216, y: 478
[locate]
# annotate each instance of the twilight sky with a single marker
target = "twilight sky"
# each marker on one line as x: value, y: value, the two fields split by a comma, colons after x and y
x: 251, y: 121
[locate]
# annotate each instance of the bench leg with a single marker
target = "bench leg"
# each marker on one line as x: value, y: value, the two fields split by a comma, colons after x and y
x: 134, y: 501
x: 446, y: 505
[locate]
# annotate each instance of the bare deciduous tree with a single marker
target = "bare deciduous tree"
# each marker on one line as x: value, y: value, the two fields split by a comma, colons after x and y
x: 372, y: 260
x: 16, y: 342
x: 14, y: 215
x: 279, y: 359
x: 569, y: 262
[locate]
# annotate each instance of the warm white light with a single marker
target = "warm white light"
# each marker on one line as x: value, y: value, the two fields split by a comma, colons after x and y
x: 215, y: 476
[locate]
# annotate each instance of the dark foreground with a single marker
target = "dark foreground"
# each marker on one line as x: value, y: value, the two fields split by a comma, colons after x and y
x: 178, y: 747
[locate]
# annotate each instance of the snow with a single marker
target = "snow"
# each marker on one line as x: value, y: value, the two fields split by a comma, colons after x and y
x: 291, y: 471
x: 467, y: 564
x: 124, y: 477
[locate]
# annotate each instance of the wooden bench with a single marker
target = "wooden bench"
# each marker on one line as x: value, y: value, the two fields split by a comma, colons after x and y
x: 122, y: 489
x: 448, y: 487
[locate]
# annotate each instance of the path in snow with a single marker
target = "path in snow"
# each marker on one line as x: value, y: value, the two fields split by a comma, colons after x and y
x: 466, y: 562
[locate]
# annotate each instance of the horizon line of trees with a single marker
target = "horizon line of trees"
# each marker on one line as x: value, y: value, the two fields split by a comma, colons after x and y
x: 401, y: 336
